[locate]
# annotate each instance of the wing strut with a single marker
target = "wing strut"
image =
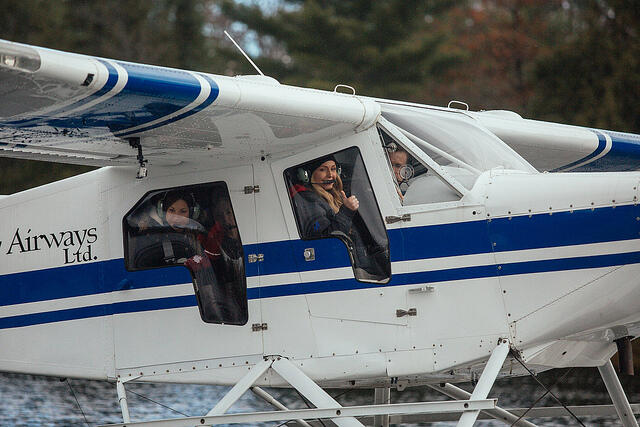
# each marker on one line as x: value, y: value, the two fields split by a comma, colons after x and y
x: 497, y: 413
x: 122, y: 397
x: 618, y: 397
x: 488, y: 377
x: 275, y: 403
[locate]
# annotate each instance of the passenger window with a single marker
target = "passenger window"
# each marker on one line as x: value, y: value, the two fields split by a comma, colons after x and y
x: 413, y: 181
x: 194, y: 227
x: 332, y: 197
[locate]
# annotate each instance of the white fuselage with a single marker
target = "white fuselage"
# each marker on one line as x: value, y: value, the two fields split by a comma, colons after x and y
x: 542, y: 259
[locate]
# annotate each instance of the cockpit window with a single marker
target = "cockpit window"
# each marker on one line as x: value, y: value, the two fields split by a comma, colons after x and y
x: 413, y: 181
x: 332, y: 197
x: 404, y: 167
x: 194, y: 227
x: 455, y: 141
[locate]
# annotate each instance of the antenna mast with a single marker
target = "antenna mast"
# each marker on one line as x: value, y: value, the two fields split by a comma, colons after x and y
x: 242, y: 51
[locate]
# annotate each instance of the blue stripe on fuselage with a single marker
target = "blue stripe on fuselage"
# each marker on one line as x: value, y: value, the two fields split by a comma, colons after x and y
x: 97, y: 311
x: 476, y: 272
x: 428, y: 242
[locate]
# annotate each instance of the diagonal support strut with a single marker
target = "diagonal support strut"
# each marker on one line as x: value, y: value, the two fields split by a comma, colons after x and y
x: 618, y: 397
x: 240, y: 388
x: 497, y: 413
x: 488, y: 377
x: 309, y: 389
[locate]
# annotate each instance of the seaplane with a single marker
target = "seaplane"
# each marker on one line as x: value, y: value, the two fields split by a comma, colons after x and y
x: 247, y: 233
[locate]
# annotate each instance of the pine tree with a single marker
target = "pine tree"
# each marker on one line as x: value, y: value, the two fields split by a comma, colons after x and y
x: 382, y: 48
x: 593, y: 78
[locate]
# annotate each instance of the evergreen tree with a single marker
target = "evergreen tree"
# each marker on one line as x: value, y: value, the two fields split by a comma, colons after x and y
x: 382, y: 48
x: 502, y: 40
x: 571, y: 61
x: 593, y: 78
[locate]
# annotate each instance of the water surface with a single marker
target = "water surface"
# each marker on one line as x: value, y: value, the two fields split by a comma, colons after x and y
x: 29, y: 400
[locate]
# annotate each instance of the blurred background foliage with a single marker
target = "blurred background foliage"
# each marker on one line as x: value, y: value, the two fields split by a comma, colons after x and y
x: 573, y: 61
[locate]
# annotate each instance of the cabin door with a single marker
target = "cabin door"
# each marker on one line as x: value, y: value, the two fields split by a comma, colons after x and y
x: 199, y: 304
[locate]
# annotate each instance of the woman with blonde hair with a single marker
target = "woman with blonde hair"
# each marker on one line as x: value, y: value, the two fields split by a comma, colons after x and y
x: 323, y: 207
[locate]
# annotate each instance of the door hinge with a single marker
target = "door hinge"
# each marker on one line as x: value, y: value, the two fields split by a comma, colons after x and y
x: 411, y: 312
x: 248, y: 189
x: 257, y: 327
x: 394, y: 219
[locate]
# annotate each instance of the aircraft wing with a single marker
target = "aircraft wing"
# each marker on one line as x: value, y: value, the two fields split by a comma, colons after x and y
x: 556, y: 147
x: 71, y: 108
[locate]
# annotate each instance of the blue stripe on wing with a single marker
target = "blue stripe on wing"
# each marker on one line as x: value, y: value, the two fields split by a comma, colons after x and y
x: 624, y: 154
x: 42, y: 119
x: 212, y: 97
x: 150, y: 94
x: 602, y: 144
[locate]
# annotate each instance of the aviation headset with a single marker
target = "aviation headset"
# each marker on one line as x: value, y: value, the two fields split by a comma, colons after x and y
x: 391, y: 147
x: 406, y: 172
x: 304, y: 172
x: 194, y: 207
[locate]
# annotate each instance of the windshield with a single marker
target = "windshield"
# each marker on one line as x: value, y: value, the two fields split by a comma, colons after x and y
x: 454, y: 140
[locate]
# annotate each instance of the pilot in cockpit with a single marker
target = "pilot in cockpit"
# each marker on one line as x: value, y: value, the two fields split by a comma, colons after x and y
x: 399, y: 160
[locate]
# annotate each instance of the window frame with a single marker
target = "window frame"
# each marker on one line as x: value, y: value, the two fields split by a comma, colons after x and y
x: 304, y: 158
x: 142, y: 199
x: 209, y: 187
x: 393, y: 131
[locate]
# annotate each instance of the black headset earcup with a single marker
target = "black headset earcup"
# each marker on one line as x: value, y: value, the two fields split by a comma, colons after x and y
x: 195, y: 207
x: 159, y: 207
x: 303, y: 175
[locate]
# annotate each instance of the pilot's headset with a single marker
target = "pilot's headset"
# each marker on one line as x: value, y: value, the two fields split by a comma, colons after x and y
x: 304, y: 172
x: 391, y: 147
x: 171, y: 196
x: 407, y: 171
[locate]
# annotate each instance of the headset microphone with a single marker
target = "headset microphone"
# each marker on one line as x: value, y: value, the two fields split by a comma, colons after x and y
x: 329, y: 181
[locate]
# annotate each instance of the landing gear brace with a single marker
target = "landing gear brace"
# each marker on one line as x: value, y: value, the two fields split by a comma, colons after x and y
x: 470, y: 405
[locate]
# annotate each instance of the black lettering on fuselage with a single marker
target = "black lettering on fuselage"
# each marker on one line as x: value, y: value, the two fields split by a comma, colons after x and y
x: 92, y: 235
x: 17, y: 240
x: 76, y: 244
x: 68, y: 240
x: 80, y: 239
